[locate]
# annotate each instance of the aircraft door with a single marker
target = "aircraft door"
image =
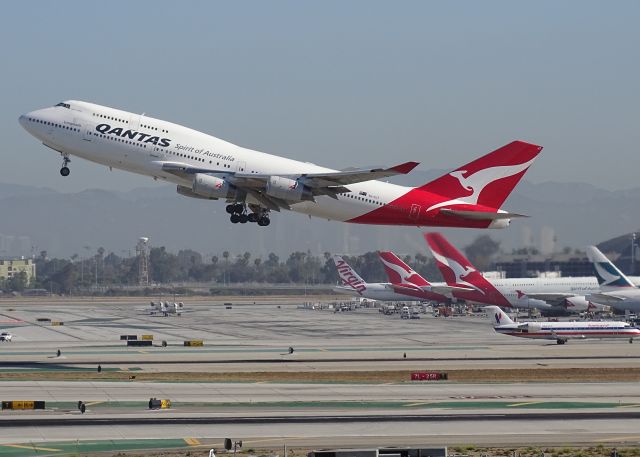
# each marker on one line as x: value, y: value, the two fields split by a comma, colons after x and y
x: 241, y: 167
x: 134, y: 122
x: 86, y: 128
x: 414, y: 212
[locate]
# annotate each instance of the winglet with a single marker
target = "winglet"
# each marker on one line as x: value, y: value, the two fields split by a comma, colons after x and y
x: 404, y: 168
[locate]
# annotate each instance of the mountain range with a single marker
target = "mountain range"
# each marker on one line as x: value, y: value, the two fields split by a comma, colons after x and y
x: 33, y: 219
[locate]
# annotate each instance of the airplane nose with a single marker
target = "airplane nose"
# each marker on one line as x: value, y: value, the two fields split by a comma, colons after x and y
x: 23, y: 121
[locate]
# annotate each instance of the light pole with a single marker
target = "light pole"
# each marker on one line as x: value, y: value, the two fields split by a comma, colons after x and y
x: 633, y: 253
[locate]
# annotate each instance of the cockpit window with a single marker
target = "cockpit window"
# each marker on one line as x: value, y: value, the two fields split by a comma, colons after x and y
x: 64, y: 105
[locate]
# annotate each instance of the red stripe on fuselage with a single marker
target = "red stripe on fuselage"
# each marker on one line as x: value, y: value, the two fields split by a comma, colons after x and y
x: 411, y: 209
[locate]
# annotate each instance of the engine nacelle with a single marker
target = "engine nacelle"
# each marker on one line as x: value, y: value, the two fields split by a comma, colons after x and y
x: 212, y: 186
x: 532, y: 327
x: 499, y: 223
x: 580, y: 304
x: 187, y: 192
x: 576, y: 304
x: 288, y: 189
x: 531, y: 303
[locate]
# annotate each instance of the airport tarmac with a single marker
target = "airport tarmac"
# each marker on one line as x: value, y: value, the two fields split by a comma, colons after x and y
x: 255, y: 337
x: 252, y: 337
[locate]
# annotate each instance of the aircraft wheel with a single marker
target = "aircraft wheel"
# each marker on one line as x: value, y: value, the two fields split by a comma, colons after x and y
x: 630, y: 340
x: 238, y: 208
x: 64, y: 171
x: 561, y: 341
x: 230, y: 209
x: 264, y: 221
x: 253, y: 217
x: 235, y: 218
x: 243, y: 218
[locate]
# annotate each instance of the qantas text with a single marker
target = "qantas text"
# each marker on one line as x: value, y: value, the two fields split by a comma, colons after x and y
x: 133, y: 135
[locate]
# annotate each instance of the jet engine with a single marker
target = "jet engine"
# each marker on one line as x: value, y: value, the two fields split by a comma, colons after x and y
x: 187, y: 192
x: 576, y: 304
x: 212, y: 186
x: 580, y: 303
x: 532, y: 327
x: 288, y: 189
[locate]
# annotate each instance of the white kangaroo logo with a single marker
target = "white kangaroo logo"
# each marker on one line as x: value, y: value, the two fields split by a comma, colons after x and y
x: 458, y: 270
x: 405, y: 276
x: 476, y: 182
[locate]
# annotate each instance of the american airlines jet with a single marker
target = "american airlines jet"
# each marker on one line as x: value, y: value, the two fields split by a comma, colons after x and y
x: 254, y: 183
x: 560, y: 331
x: 541, y: 293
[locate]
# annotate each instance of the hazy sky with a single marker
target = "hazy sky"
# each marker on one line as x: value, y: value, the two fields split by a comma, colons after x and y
x: 337, y: 83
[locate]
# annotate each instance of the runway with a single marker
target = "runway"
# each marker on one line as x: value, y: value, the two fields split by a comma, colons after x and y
x: 255, y: 338
x: 497, y: 431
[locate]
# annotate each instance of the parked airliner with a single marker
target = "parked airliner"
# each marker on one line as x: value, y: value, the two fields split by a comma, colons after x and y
x: 541, y: 293
x: 254, y: 183
x: 616, y: 289
x: 407, y: 281
x: 353, y: 284
x: 560, y: 331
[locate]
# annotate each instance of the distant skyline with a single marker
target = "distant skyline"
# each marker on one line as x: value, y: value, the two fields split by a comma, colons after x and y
x: 337, y: 83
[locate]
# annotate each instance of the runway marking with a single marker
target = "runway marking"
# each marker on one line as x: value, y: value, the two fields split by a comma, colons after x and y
x: 269, y: 440
x: 417, y: 404
x: 142, y: 352
x: 524, y: 403
x: 629, y: 406
x: 91, y: 403
x: 22, y: 446
x: 192, y: 441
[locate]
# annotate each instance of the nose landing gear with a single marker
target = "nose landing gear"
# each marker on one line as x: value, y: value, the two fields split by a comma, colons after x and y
x: 64, y: 171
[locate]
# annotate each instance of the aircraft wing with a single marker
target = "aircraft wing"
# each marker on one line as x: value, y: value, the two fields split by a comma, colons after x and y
x: 328, y: 179
x: 324, y: 183
x: 440, y: 289
x: 554, y: 299
x: 604, y: 298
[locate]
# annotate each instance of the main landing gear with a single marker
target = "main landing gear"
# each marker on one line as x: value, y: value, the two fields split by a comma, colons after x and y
x: 238, y: 212
x: 64, y: 171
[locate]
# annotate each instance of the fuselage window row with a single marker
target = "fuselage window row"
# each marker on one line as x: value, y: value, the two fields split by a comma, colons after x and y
x: 60, y: 126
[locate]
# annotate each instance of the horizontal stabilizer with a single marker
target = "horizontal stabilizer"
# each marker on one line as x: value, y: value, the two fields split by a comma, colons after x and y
x: 445, y: 290
x: 480, y: 215
x: 345, y: 290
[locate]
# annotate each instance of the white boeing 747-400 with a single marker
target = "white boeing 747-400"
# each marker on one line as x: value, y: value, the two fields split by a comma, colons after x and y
x: 254, y: 183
